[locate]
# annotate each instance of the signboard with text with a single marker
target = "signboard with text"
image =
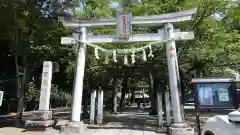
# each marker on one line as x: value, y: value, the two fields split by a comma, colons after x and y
x: 124, y: 25
x: 215, y: 95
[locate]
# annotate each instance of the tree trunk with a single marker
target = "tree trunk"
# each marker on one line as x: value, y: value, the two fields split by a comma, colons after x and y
x: 24, y: 86
x: 124, y: 90
x: 198, y: 73
x: 132, y: 97
x: 181, y: 90
x: 152, y: 93
x: 85, y: 103
x: 18, y: 88
x: 114, y: 95
x: 129, y: 97
x: 86, y: 93
x: 20, y: 102
x: 182, y: 84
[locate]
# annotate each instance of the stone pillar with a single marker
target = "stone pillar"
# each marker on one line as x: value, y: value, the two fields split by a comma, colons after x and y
x: 168, y: 109
x: 79, y: 76
x: 173, y: 74
x: 100, y: 107
x: 93, y: 104
x: 178, y: 126
x: 42, y: 117
x: 45, y: 92
x: 159, y: 108
x: 75, y: 125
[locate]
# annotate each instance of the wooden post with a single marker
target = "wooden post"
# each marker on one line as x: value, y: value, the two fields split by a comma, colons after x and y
x: 159, y: 107
x: 93, y: 102
x: 168, y: 109
x: 100, y: 107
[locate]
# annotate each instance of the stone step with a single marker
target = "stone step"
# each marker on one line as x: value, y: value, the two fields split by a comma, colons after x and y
x: 37, y: 115
x: 32, y: 123
x: 61, y: 123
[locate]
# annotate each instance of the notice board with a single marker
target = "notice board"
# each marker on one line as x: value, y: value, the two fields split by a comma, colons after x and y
x: 216, y: 95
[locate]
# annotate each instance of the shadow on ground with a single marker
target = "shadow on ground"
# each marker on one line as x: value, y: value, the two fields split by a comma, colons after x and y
x: 130, y: 119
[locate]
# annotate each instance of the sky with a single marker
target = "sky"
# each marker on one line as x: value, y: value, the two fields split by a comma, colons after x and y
x: 114, y: 4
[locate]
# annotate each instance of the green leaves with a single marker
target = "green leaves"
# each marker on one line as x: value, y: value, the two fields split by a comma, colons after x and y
x: 93, y: 9
x: 32, y: 94
x: 60, y: 96
x: 32, y: 31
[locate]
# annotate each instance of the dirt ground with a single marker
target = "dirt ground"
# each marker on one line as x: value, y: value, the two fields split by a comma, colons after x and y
x: 17, y: 131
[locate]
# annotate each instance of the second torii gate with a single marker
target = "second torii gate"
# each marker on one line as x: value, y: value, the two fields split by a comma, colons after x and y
x: 124, y: 23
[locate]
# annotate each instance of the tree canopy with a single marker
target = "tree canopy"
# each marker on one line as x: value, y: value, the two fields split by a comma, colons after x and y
x: 30, y: 34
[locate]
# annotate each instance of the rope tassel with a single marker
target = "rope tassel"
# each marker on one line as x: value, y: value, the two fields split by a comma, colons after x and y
x: 96, y: 53
x: 115, y: 56
x: 114, y: 52
x: 125, y: 59
x: 144, y: 56
x: 133, y: 57
x: 151, y: 52
x: 106, y: 59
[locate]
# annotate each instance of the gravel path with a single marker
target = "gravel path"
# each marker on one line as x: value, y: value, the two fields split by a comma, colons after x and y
x: 127, y: 123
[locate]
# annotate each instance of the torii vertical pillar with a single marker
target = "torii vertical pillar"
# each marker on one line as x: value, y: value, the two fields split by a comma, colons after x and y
x: 178, y: 126
x: 75, y: 125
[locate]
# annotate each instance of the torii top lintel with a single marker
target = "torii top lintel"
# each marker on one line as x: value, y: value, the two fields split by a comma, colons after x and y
x: 153, y: 20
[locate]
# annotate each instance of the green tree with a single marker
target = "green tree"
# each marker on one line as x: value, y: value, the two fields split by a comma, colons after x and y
x: 33, y: 38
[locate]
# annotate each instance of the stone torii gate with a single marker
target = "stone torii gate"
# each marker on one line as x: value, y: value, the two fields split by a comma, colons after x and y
x: 124, y: 23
